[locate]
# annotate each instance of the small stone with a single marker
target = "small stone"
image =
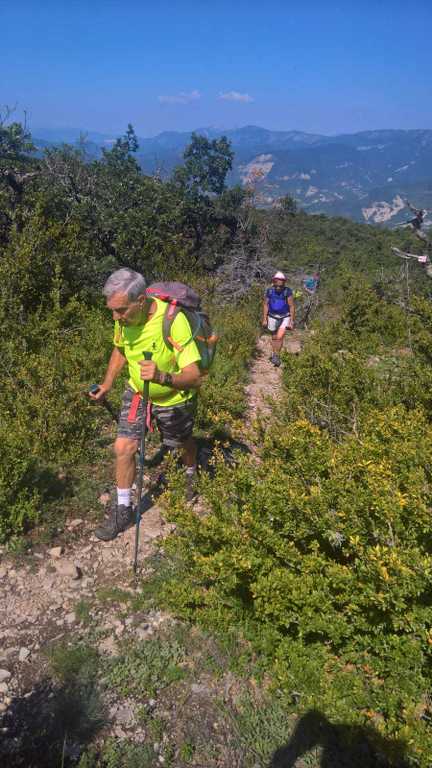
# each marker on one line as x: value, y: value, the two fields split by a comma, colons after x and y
x: 3, y: 687
x: 75, y: 523
x: 104, y: 499
x: 3, y: 571
x: 56, y: 551
x: 108, y: 646
x: 66, y: 568
x: 125, y: 715
x: 70, y: 618
x: 4, y: 675
x: 199, y: 688
x: 24, y: 653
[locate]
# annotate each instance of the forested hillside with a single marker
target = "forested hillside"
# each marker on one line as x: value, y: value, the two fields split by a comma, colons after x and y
x: 312, y: 555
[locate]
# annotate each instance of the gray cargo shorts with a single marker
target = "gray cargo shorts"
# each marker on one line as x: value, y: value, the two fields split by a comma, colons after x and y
x: 174, y: 422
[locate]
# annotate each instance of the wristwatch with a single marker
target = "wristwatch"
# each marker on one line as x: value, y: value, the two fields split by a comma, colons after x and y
x: 165, y: 379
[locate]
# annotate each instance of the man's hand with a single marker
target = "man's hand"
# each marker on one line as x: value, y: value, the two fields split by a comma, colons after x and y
x: 149, y: 371
x: 100, y: 393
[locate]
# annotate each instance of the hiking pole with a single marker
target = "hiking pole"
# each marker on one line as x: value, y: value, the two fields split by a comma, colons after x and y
x: 106, y: 404
x: 147, y: 356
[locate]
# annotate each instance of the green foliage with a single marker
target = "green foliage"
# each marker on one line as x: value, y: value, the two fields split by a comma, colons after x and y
x: 118, y: 754
x: 206, y: 166
x: 287, y: 205
x: 222, y: 399
x: 327, y: 548
x: 321, y: 552
x: 146, y: 667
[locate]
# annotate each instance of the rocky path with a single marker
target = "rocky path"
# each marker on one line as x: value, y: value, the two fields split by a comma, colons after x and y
x: 41, y: 598
x: 265, y: 380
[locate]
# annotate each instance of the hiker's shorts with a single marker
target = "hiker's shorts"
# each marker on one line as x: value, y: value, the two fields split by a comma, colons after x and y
x: 175, y: 422
x: 275, y: 324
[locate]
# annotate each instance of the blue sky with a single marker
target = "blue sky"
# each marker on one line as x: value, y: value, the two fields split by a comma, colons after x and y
x: 326, y: 67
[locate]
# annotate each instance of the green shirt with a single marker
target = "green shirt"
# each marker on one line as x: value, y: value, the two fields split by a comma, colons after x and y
x: 133, y: 340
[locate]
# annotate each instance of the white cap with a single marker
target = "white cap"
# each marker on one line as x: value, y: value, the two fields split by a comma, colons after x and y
x: 279, y: 276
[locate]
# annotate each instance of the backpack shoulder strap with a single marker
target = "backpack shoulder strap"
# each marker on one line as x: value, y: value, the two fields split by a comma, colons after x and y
x: 170, y: 315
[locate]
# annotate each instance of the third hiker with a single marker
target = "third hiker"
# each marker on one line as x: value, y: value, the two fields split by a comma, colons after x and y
x: 174, y: 377
x: 278, y: 313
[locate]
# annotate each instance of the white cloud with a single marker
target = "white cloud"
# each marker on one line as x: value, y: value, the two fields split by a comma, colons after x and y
x: 236, y: 96
x: 180, y: 98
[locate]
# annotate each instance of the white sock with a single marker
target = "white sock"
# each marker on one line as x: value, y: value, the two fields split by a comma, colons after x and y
x: 124, y: 496
x: 191, y: 470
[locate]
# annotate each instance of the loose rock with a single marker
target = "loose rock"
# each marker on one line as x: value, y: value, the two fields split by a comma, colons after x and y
x: 56, y: 551
x: 66, y: 568
x: 4, y: 675
x: 23, y: 654
x: 75, y: 523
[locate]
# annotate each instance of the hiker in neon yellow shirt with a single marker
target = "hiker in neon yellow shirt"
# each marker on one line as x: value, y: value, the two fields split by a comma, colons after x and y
x: 174, y: 376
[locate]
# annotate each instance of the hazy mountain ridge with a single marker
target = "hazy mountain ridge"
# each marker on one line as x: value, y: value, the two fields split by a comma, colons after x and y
x: 363, y: 175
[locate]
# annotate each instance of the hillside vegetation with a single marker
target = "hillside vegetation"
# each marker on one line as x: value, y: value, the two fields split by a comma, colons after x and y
x: 314, y: 551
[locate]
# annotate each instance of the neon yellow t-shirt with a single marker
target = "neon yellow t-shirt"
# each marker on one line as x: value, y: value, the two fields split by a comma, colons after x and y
x: 133, y: 340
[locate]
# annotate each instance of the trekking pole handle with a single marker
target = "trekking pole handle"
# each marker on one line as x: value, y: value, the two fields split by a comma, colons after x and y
x: 147, y: 356
x: 103, y: 401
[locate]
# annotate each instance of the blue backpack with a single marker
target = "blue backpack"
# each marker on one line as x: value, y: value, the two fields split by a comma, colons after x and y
x: 278, y: 302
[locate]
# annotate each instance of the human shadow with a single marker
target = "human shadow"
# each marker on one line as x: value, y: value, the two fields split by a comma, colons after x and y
x: 220, y: 447
x: 342, y: 746
x: 50, y: 726
x: 209, y: 452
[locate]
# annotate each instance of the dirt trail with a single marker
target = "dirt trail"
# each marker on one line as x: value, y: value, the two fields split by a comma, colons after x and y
x: 39, y: 597
x: 265, y: 379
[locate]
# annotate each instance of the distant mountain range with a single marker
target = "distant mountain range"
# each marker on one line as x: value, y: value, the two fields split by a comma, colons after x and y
x: 365, y: 176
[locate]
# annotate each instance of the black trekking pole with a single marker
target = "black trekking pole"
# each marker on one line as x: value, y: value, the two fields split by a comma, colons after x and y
x: 147, y: 356
x: 103, y: 401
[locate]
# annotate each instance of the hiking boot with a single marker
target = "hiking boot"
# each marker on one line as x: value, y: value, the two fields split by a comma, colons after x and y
x: 119, y: 519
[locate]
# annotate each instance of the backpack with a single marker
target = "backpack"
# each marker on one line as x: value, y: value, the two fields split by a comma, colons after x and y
x: 182, y: 298
x: 278, y: 302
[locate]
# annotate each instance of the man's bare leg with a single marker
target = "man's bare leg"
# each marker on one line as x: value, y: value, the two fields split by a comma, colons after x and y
x: 125, y: 450
x: 189, y: 454
x: 190, y: 460
x: 121, y: 514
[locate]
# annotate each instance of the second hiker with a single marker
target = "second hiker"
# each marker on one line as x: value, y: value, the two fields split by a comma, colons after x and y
x: 278, y: 313
x: 174, y: 377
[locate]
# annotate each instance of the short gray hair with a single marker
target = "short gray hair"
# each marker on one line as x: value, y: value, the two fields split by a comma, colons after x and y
x: 125, y: 281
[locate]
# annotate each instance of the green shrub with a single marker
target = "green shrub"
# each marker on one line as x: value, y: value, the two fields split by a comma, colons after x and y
x: 325, y: 548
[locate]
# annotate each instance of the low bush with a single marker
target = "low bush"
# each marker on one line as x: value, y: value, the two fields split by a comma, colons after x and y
x: 324, y: 550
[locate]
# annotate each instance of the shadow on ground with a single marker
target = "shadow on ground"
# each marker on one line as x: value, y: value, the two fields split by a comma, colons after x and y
x: 341, y: 746
x: 49, y: 726
x: 209, y: 450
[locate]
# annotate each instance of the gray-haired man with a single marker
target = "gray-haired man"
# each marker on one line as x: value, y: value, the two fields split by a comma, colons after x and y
x: 174, y: 376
